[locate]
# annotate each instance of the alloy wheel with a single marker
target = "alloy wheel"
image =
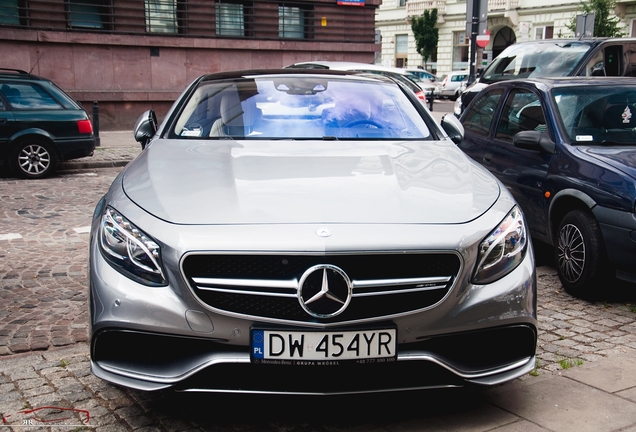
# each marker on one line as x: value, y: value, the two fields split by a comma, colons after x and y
x: 571, y: 253
x: 34, y: 159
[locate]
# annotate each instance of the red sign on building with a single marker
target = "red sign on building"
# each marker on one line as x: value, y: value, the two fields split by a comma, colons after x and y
x: 351, y: 2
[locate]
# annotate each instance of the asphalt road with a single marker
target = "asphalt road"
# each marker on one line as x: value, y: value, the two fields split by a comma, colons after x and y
x: 44, y: 320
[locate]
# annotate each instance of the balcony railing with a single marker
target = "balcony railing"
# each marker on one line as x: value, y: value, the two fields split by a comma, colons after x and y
x: 417, y: 7
x: 502, y: 5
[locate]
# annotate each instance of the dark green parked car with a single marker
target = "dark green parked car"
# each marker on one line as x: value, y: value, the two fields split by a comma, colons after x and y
x: 40, y: 125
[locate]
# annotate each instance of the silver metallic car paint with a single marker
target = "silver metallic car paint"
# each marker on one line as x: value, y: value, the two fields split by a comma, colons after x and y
x: 240, y: 182
x: 234, y: 196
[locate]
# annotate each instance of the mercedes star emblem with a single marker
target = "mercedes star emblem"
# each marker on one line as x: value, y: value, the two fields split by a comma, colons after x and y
x: 323, y: 232
x: 325, y: 291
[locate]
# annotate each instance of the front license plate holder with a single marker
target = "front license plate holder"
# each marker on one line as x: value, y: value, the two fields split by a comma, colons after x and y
x: 333, y: 347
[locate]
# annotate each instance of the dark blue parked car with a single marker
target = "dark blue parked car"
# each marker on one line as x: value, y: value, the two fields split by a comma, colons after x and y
x: 566, y: 149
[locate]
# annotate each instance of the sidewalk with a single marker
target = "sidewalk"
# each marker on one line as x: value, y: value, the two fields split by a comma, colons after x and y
x: 595, y: 397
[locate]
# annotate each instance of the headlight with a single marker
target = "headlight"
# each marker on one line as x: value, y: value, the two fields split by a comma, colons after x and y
x: 503, y: 250
x: 130, y: 250
x: 457, y: 108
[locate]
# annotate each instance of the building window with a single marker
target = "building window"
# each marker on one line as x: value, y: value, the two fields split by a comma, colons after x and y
x: 401, y: 3
x: 401, y: 50
x: 292, y: 22
x: 230, y: 19
x: 545, y: 32
x: 12, y: 12
x: 164, y: 16
x: 89, y: 14
x: 460, y: 50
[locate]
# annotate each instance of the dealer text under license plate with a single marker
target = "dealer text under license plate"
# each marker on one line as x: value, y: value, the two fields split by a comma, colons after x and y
x: 274, y: 346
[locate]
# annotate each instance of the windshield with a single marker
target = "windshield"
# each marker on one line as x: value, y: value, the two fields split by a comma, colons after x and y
x: 597, y: 114
x: 300, y: 107
x: 536, y: 60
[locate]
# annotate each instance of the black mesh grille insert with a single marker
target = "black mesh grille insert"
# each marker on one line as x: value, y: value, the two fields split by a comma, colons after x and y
x: 291, y: 267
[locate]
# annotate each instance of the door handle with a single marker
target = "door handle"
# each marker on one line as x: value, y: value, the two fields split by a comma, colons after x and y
x: 487, y: 158
x: 3, y: 121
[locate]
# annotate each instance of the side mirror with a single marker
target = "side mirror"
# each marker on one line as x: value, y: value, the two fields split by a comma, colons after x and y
x: 534, y: 140
x: 453, y: 128
x: 145, y: 128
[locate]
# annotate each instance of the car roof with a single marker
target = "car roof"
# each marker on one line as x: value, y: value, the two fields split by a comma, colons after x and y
x: 8, y: 73
x: 568, y: 81
x: 347, y: 66
x: 291, y: 71
x: 590, y: 41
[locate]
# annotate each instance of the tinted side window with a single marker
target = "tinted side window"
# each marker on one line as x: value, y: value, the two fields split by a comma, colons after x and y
x: 631, y: 60
x: 28, y: 96
x: 614, y: 60
x: 522, y: 112
x: 479, y: 117
x: 607, y: 62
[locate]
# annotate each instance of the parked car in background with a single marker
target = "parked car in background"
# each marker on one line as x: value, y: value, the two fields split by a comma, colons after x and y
x: 423, y: 73
x: 426, y: 75
x: 556, y: 58
x: 566, y: 149
x: 307, y: 231
x: 424, y: 89
x: 40, y: 125
x: 451, y: 86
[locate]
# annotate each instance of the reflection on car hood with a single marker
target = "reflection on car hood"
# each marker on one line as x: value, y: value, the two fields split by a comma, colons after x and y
x: 621, y: 158
x: 476, y: 87
x: 256, y: 182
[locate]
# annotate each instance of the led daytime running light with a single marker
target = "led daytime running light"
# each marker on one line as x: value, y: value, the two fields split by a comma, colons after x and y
x: 127, y: 246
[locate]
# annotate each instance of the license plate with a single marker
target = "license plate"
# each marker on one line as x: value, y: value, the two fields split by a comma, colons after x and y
x: 276, y: 346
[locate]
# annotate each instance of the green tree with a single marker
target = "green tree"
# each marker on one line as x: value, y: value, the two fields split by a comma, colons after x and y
x: 425, y: 33
x: 606, y: 23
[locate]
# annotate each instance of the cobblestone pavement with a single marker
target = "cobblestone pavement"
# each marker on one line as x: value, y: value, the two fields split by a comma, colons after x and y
x: 43, y: 290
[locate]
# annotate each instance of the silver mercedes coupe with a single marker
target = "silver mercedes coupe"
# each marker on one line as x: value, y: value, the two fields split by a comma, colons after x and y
x: 307, y: 232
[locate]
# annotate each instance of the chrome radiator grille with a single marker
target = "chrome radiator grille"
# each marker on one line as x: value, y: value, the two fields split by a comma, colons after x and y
x: 266, y: 286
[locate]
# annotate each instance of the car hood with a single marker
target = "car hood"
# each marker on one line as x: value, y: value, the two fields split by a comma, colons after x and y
x: 476, y: 87
x: 261, y: 182
x: 621, y: 158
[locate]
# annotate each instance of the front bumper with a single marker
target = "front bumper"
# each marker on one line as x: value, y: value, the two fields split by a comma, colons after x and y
x: 479, y: 334
x: 619, y: 233
x: 148, y: 361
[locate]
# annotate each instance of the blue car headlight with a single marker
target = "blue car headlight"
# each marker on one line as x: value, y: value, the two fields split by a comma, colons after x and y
x: 129, y: 250
x: 503, y: 249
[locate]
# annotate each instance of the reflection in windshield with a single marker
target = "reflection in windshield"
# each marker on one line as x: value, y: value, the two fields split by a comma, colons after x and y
x: 300, y: 107
x: 595, y: 114
x: 535, y: 60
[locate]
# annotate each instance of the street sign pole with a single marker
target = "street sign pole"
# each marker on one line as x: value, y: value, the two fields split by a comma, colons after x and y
x: 474, y: 29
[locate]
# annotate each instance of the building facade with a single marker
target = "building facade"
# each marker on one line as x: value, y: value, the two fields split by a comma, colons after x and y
x: 509, y: 21
x: 134, y: 55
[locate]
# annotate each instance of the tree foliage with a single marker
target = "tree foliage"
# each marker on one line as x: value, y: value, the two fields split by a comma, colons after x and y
x: 425, y: 33
x: 606, y: 23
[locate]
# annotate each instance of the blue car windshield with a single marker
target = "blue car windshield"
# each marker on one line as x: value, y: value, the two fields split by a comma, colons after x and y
x: 536, y: 60
x: 597, y: 114
x: 300, y: 107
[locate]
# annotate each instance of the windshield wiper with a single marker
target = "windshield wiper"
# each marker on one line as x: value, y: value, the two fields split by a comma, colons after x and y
x: 609, y: 142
